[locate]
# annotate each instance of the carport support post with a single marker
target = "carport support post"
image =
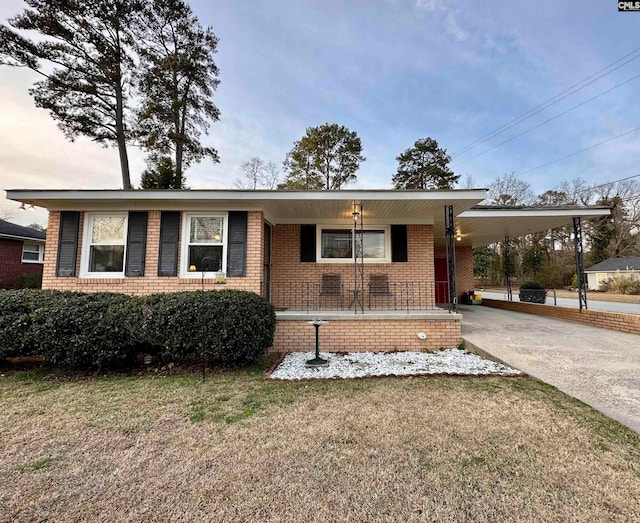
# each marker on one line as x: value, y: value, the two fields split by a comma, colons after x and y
x: 582, y: 284
x: 449, y: 230
x: 507, y: 267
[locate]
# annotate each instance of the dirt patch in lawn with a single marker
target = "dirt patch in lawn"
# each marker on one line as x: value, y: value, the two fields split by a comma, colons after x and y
x: 237, y: 448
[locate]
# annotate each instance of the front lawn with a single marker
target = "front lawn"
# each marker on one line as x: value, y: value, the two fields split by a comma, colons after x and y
x: 238, y: 448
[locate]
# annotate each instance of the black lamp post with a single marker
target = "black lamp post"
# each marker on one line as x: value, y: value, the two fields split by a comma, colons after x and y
x: 317, y: 361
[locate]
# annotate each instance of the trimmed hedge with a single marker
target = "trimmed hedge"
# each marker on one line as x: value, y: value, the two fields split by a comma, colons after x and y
x: 532, y: 285
x: 16, y: 319
x: 89, y: 331
x: 228, y: 327
x: 30, y: 280
x: 107, y: 330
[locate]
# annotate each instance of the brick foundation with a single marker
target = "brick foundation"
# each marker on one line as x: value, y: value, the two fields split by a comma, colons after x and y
x: 351, y: 335
x: 606, y: 320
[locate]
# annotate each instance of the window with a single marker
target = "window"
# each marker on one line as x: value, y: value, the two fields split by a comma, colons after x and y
x: 105, y: 239
x: 336, y: 244
x: 32, y: 253
x: 204, y: 248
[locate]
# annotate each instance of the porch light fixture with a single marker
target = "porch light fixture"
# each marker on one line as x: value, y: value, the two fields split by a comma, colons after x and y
x: 357, y: 210
x: 458, y: 238
x: 22, y: 207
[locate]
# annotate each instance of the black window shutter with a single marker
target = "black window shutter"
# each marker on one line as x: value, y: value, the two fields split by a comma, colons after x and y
x: 169, y: 241
x: 399, y: 251
x: 307, y: 243
x: 68, y: 243
x: 136, y: 243
x: 237, y: 243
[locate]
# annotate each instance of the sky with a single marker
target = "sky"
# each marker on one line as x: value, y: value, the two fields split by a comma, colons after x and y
x: 394, y: 71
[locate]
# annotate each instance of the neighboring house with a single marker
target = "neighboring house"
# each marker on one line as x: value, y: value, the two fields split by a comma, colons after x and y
x: 606, y: 270
x: 296, y: 248
x: 21, y: 252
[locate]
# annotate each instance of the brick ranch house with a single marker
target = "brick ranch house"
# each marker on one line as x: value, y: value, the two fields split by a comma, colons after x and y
x: 21, y: 252
x: 373, y: 262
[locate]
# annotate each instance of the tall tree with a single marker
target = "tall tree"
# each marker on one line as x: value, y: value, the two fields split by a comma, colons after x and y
x: 178, y: 79
x: 326, y: 157
x: 161, y: 174
x: 424, y: 166
x: 83, y: 52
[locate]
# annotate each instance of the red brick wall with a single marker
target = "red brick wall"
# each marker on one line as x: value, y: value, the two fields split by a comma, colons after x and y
x: 367, y: 335
x: 151, y: 282
x: 606, y: 320
x: 11, y: 266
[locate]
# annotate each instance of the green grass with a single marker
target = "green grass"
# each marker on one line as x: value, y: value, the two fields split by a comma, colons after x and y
x: 39, y: 464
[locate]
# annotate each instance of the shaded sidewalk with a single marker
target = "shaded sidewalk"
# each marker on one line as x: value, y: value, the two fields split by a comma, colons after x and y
x: 598, y: 366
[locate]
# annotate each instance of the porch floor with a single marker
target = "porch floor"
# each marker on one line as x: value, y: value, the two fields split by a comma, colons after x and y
x: 368, y: 315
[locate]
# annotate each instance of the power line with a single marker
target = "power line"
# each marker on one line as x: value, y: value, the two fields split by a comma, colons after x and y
x: 608, y: 183
x: 580, y: 151
x: 546, y: 104
x: 551, y: 101
x: 549, y: 120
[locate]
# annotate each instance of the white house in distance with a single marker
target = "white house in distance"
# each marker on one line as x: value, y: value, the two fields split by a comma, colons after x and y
x: 606, y: 270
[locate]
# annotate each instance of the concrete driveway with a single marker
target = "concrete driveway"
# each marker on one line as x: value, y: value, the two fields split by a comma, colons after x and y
x: 598, y: 366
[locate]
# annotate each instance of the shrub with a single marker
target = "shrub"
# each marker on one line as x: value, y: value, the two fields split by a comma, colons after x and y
x: 89, y: 331
x: 532, y: 292
x: 622, y: 284
x: 16, y: 320
x: 106, y: 330
x: 531, y: 285
x: 30, y: 280
x: 574, y: 281
x: 228, y: 327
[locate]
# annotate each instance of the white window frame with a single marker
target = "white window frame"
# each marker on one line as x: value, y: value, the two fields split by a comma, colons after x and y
x: 40, y: 247
x: 184, y: 247
x: 387, y: 243
x: 86, y: 245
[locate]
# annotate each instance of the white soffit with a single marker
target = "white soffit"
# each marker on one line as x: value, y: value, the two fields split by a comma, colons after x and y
x: 379, y: 206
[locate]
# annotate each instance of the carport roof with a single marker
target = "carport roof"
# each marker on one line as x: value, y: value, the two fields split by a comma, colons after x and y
x: 483, y: 225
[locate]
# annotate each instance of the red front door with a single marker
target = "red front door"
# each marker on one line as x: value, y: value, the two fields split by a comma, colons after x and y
x: 442, y: 281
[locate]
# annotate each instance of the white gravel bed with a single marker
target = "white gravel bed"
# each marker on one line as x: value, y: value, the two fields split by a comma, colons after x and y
x: 364, y: 364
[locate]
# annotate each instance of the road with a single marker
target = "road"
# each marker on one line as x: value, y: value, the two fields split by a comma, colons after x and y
x: 608, y: 306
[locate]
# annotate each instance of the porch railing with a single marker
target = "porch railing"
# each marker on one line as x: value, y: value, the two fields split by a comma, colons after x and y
x: 312, y: 296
